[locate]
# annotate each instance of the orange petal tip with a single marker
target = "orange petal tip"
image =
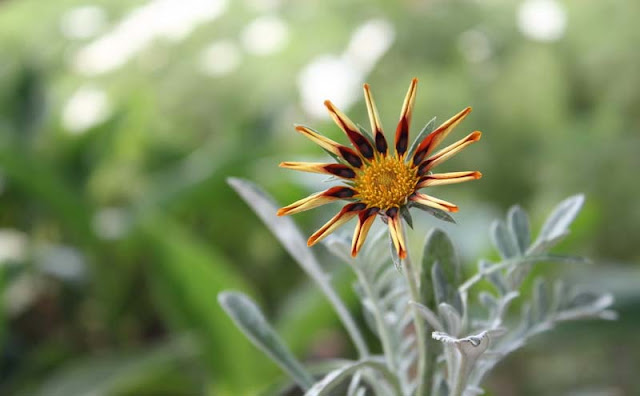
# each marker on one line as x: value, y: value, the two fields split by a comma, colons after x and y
x: 475, y: 136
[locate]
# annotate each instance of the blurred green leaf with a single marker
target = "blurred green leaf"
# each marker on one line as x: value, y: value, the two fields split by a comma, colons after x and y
x: 503, y: 240
x: 118, y: 373
x: 518, y: 223
x: 187, y: 275
x: 250, y: 320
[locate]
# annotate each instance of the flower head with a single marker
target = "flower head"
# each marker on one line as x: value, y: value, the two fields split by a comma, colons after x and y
x: 376, y: 181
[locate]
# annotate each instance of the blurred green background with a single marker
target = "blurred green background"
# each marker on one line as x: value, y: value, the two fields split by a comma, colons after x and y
x: 120, y: 121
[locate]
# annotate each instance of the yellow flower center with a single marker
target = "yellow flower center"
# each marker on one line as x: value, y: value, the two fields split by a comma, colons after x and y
x: 386, y: 182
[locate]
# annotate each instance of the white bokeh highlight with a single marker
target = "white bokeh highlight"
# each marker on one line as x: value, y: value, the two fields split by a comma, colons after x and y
x: 340, y: 78
x: 265, y: 35
x: 87, y: 107
x: 542, y: 20
x: 169, y: 19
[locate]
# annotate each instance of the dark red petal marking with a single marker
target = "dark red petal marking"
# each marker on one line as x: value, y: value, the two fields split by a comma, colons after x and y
x: 402, y: 131
x: 424, y: 168
x: 381, y: 143
x: 340, y: 171
x: 434, y: 138
x: 359, y: 142
x: 374, y: 119
x: 350, y: 156
x: 340, y: 192
x: 392, y: 212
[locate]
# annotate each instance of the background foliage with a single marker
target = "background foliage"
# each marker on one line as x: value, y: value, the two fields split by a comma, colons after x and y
x: 117, y: 229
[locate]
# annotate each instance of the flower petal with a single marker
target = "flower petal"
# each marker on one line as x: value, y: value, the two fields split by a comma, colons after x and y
x: 439, y: 179
x: 376, y: 126
x: 434, y: 202
x: 357, y: 139
x: 402, y: 131
x: 395, y: 230
x: 331, y: 146
x: 317, y: 199
x: 448, y: 152
x: 365, y: 220
x: 434, y: 138
x: 339, y: 170
x: 345, y: 214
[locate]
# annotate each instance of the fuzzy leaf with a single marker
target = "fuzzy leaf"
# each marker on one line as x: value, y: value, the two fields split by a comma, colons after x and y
x: 439, y: 250
x: 540, y: 300
x: 290, y: 237
x: 518, y: 223
x: 426, y: 130
x: 503, y: 240
x: 557, y: 224
x: 406, y: 215
x: 496, y: 277
x: 437, y: 213
x: 334, y: 378
x: 250, y: 320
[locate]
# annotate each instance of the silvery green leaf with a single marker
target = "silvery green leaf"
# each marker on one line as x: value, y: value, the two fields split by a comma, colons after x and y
x: 587, y: 298
x: 496, y: 278
x: 541, y: 300
x: 443, y: 388
x: 325, y: 386
x: 437, y: 213
x: 527, y: 316
x: 292, y: 240
x: 366, y: 134
x: 429, y: 315
x: 406, y: 215
x: 473, y: 390
x: 589, y: 307
x: 249, y: 319
x: 443, y: 290
x: 394, y: 255
x: 471, y: 347
x: 451, y: 317
x: 559, y: 293
x: 438, y: 249
x: 518, y: 222
x: 542, y: 246
x: 426, y: 130
x: 488, y: 301
x: 557, y: 224
x: 339, y: 246
x: 503, y: 240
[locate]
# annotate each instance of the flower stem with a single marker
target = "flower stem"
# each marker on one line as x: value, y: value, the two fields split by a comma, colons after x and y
x: 461, y: 377
x: 418, y: 324
x: 383, y: 329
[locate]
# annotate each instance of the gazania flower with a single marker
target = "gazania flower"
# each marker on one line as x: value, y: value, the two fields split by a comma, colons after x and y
x: 376, y: 181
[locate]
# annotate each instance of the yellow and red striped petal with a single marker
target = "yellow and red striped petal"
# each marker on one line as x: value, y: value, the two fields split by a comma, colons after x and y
x: 376, y: 125
x: 434, y: 202
x: 357, y: 139
x: 331, y: 146
x: 365, y: 220
x: 345, y: 214
x: 317, y: 199
x: 448, y: 152
x: 434, y: 138
x: 402, y: 131
x: 439, y: 179
x: 339, y: 170
x: 395, y: 230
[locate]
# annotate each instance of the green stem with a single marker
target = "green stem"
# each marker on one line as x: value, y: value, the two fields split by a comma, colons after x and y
x: 461, y: 377
x: 418, y: 325
x: 383, y: 329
